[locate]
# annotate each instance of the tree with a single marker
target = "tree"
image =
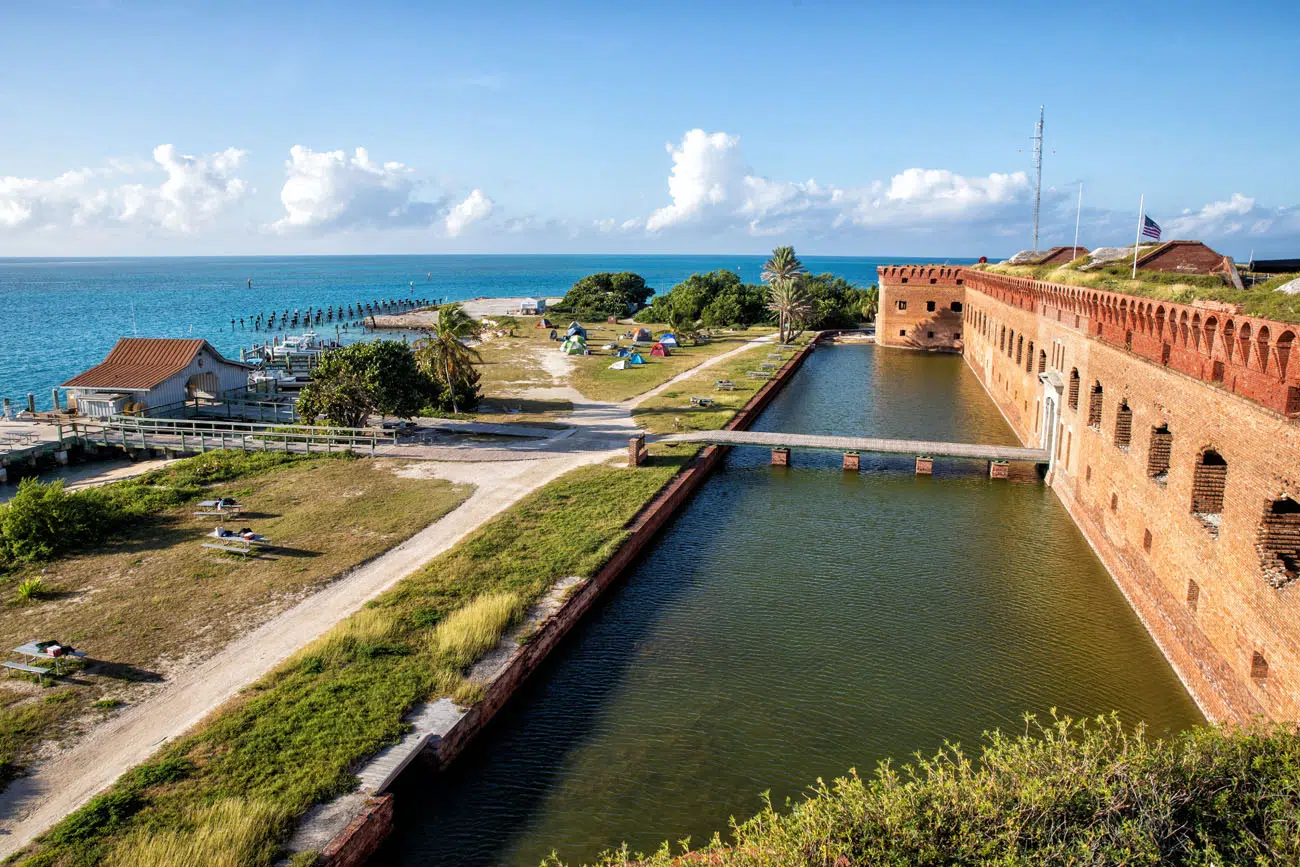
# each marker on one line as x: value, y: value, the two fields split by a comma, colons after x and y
x: 791, y: 307
x: 354, y: 381
x: 444, y: 356
x: 780, y: 273
x: 599, y: 296
x: 870, y: 304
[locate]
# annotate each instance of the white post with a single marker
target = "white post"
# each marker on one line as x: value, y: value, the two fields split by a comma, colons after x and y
x: 1138, y: 240
x: 1077, y: 215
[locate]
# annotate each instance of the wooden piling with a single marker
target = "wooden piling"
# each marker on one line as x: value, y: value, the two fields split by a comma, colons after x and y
x: 780, y: 457
x: 924, y: 465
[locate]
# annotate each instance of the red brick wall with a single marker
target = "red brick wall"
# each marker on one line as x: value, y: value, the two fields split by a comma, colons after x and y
x: 363, y: 835
x: 928, y: 320
x: 1183, y: 257
x: 1233, y: 612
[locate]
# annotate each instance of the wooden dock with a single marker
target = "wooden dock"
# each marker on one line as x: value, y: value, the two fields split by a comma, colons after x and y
x: 973, y: 451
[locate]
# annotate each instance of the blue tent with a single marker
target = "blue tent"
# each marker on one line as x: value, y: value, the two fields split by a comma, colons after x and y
x: 635, y: 358
x: 624, y: 352
x: 575, y: 328
x: 669, y: 340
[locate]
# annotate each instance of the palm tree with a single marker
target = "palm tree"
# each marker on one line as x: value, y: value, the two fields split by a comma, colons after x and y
x: 791, y: 306
x: 871, y: 304
x: 780, y: 273
x: 443, y: 354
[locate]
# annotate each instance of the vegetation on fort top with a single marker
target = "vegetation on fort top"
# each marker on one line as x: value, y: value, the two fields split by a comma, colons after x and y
x: 294, y: 738
x: 1262, y: 300
x: 144, y: 593
x: 1062, y: 793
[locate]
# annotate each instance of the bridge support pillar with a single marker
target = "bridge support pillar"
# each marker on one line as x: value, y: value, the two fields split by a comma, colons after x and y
x: 999, y: 469
x: 61, y: 457
x: 636, y: 450
x: 924, y: 465
x: 780, y: 457
x: 852, y: 461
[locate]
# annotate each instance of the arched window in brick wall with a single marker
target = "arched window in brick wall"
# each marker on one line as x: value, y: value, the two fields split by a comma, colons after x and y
x: 1094, y: 405
x: 1011, y: 343
x: 1279, y: 542
x: 1284, y: 352
x: 1002, y: 338
x: 1123, y: 425
x: 1072, y: 397
x: 1208, y: 484
x: 1243, y: 342
x: 1261, y: 354
x: 1159, y: 452
x: 1042, y: 361
x: 1020, y: 349
x: 1029, y: 358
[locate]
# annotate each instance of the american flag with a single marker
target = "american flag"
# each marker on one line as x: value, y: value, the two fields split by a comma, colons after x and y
x: 1150, y: 229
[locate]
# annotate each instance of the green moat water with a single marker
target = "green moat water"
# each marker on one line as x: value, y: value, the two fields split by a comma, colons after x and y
x: 792, y: 624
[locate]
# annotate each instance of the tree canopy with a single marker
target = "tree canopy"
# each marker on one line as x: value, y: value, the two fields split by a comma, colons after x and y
x: 354, y: 381
x: 445, y: 357
x: 716, y: 299
x: 599, y: 296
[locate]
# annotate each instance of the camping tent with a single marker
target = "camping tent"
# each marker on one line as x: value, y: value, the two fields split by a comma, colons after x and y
x: 659, y: 350
x: 669, y: 340
x: 619, y: 365
x: 575, y: 328
x: 624, y: 352
x: 635, y: 358
x: 545, y: 323
x: 643, y: 335
x: 574, y: 346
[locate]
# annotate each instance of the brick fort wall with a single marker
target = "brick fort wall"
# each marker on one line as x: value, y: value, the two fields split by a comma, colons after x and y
x: 1176, y: 448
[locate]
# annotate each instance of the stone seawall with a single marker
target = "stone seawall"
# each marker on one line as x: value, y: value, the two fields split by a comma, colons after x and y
x: 372, y: 822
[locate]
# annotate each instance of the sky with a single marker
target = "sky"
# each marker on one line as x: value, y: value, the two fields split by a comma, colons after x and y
x: 843, y: 128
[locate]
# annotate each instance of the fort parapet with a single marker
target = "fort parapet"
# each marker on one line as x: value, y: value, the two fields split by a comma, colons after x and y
x: 1174, y: 431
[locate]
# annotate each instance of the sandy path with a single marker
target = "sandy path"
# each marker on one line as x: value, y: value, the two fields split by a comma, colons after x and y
x: 32, y: 804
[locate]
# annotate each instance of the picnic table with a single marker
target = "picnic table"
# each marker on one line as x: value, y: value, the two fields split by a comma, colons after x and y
x: 768, y: 365
x: 778, y: 356
x: 759, y: 374
x: 724, y: 385
x: 217, y: 508
x: 34, y: 650
x: 244, y: 542
x: 701, y: 401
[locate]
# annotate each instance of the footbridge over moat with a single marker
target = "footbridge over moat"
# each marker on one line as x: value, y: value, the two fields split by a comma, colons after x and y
x: 918, y: 448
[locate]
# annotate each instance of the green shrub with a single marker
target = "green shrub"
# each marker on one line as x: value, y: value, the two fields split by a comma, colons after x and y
x: 30, y: 590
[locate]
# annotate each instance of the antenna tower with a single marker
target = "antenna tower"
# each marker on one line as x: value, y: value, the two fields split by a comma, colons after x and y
x: 1038, y: 172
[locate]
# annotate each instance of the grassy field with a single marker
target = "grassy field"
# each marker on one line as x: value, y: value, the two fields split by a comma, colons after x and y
x: 292, y: 740
x: 151, y: 599
x: 1260, y: 301
x: 592, y: 376
x: 671, y: 411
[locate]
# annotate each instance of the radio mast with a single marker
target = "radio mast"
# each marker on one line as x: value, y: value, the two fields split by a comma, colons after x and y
x: 1038, y: 172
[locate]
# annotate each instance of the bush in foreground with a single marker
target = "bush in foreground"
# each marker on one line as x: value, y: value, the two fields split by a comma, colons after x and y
x: 1065, y: 793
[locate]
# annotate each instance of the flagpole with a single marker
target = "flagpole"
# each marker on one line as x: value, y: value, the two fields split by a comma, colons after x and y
x: 1138, y: 240
x: 1077, y: 215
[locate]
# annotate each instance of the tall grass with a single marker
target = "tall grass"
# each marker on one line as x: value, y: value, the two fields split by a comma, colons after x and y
x: 228, y: 833
x: 475, y: 629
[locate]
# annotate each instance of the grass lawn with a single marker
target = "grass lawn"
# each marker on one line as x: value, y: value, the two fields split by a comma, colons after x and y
x: 592, y: 376
x: 1260, y: 301
x: 671, y: 411
x: 292, y: 740
x: 152, y: 599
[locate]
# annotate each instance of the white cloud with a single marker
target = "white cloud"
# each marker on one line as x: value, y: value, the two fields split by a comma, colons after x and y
x: 195, y: 191
x: 1239, y: 215
x: 329, y: 191
x: 711, y: 187
x: 476, y: 207
x: 707, y: 175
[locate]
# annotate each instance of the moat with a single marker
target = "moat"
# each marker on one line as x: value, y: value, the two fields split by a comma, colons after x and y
x: 794, y: 623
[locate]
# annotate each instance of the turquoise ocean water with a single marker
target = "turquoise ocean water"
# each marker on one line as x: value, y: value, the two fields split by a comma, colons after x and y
x: 63, y: 315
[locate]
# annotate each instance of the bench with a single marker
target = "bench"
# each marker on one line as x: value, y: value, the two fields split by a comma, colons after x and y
x: 778, y: 356
x: 41, y: 673
x: 724, y: 385
x: 701, y: 401
x: 233, y: 549
x: 759, y: 374
x: 768, y: 365
x: 233, y: 511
